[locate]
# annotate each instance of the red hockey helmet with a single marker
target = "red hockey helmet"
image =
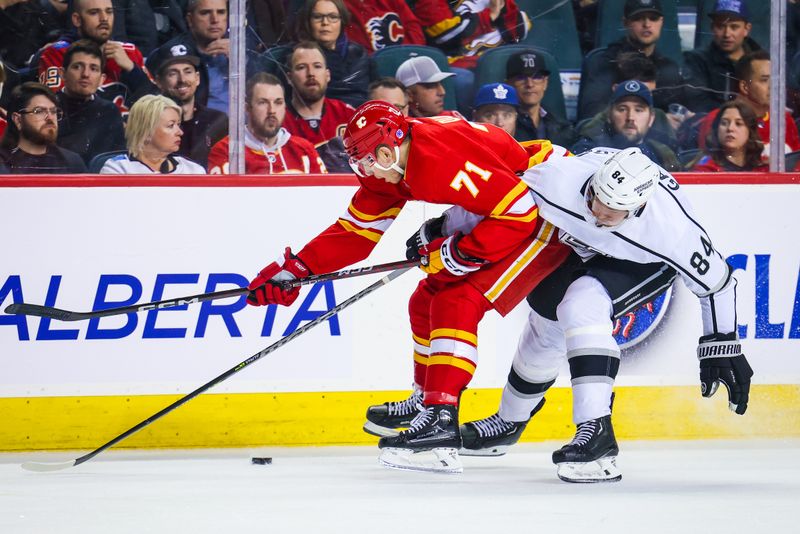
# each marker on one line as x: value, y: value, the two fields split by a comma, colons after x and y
x: 375, y: 123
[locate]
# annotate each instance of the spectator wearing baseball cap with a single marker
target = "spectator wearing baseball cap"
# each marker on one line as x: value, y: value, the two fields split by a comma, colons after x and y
x: 629, y: 119
x: 527, y: 72
x: 423, y: 81
x: 496, y: 103
x: 178, y: 78
x: 709, y: 73
x: 644, y: 22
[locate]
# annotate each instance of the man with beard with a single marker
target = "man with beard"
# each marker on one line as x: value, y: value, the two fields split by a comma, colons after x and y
x: 269, y: 148
x: 126, y: 77
x: 423, y: 81
x: 207, y: 39
x: 178, y: 78
x: 29, y: 143
x: 629, y: 119
x: 90, y: 125
x: 311, y: 115
x: 644, y: 21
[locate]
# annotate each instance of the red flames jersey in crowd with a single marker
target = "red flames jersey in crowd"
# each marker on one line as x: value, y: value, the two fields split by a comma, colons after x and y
x: 335, y: 116
x: 376, y: 24
x: 451, y: 161
x: 290, y: 155
x: 52, y: 58
x: 3, y: 125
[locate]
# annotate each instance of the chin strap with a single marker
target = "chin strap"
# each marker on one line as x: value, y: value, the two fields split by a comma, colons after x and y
x: 394, y: 166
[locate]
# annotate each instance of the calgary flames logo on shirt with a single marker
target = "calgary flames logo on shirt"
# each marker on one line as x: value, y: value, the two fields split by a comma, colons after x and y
x: 385, y: 31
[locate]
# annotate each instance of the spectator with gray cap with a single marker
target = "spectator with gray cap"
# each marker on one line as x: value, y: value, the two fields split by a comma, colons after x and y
x: 527, y: 73
x: 629, y: 119
x: 423, y: 81
x: 178, y: 78
x: 709, y: 73
x: 496, y: 103
x: 644, y: 21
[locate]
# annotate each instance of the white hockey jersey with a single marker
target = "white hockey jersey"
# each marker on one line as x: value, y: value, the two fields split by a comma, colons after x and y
x: 664, y: 230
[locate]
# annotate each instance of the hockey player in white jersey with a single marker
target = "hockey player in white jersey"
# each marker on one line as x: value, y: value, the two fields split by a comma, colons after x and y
x: 628, y: 221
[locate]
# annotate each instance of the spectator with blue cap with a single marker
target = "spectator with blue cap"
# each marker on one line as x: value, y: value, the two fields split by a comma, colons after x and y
x: 496, y: 103
x: 709, y: 73
x: 629, y: 122
x: 527, y: 72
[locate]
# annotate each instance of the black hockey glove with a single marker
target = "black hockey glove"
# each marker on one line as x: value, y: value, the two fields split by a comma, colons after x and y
x: 721, y: 360
x: 429, y: 231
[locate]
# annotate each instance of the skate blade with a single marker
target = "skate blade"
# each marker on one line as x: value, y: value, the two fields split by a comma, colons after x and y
x: 441, y: 460
x: 601, y: 470
x: 500, y: 450
x: 380, y: 431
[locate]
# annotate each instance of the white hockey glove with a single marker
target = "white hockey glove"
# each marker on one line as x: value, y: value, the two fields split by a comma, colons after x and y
x: 721, y: 360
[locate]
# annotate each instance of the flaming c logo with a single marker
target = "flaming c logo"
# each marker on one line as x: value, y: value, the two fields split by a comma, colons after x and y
x: 385, y: 31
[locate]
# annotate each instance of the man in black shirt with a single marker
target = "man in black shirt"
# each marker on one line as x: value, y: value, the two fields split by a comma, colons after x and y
x: 28, y: 145
x: 644, y: 21
x: 91, y: 125
x: 178, y: 78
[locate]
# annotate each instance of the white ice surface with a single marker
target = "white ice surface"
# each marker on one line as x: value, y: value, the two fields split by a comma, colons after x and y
x: 671, y: 487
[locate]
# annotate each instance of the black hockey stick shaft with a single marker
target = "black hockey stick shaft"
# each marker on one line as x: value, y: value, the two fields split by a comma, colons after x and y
x: 37, y: 310
x: 252, y: 359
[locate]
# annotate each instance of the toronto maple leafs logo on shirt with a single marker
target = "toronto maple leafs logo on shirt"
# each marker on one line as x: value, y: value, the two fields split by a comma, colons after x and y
x: 385, y: 31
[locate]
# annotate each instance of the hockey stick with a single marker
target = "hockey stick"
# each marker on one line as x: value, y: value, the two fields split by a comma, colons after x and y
x: 22, y: 308
x: 49, y: 466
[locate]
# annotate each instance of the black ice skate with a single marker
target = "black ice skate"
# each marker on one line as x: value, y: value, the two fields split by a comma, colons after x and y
x: 492, y: 436
x: 591, y: 455
x: 431, y: 443
x: 385, y: 419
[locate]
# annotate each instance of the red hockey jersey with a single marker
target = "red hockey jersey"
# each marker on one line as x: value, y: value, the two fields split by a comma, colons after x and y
x: 335, y: 116
x: 451, y: 161
x: 290, y: 155
x: 51, y: 59
x: 376, y: 24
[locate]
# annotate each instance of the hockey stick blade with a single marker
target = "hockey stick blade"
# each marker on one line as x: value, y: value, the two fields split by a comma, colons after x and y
x: 45, y: 467
x: 39, y: 311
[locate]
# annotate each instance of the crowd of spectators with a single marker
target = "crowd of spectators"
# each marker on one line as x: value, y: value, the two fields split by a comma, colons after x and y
x: 121, y: 86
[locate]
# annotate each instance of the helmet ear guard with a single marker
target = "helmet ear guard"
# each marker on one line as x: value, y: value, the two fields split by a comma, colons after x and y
x: 625, y: 181
x: 374, y: 123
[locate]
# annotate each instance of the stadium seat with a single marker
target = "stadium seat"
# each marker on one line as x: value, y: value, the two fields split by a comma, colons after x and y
x: 387, y: 60
x: 610, y: 27
x: 492, y: 68
x: 553, y: 29
x: 97, y: 162
x: 792, y: 160
x: 274, y: 60
x: 759, y: 17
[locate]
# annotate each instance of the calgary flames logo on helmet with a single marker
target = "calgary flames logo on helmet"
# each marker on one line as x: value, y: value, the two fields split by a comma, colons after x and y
x: 385, y: 31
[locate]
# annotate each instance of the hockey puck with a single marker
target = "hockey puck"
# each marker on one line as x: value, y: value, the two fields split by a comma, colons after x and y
x: 261, y: 461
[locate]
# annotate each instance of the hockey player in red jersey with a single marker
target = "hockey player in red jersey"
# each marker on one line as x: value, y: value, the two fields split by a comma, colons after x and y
x: 126, y: 76
x: 442, y: 160
x: 268, y: 147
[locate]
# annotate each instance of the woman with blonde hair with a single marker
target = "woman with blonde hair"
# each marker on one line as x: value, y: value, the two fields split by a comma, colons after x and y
x: 152, y: 135
x: 733, y: 144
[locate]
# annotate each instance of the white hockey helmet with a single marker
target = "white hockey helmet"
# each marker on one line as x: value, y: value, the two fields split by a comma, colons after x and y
x: 626, y: 180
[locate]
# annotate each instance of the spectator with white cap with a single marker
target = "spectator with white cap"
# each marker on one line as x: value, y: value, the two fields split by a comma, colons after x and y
x: 496, y: 103
x: 423, y: 81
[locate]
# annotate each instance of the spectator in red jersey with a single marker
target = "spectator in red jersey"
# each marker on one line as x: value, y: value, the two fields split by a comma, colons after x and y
x: 153, y: 136
x: 377, y: 24
x: 390, y: 90
x: 269, y: 148
x: 178, y: 77
x: 753, y: 73
x: 29, y: 143
x: 423, y: 81
x: 323, y: 21
x: 90, y: 125
x: 126, y: 76
x: 311, y: 114
x: 733, y: 144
